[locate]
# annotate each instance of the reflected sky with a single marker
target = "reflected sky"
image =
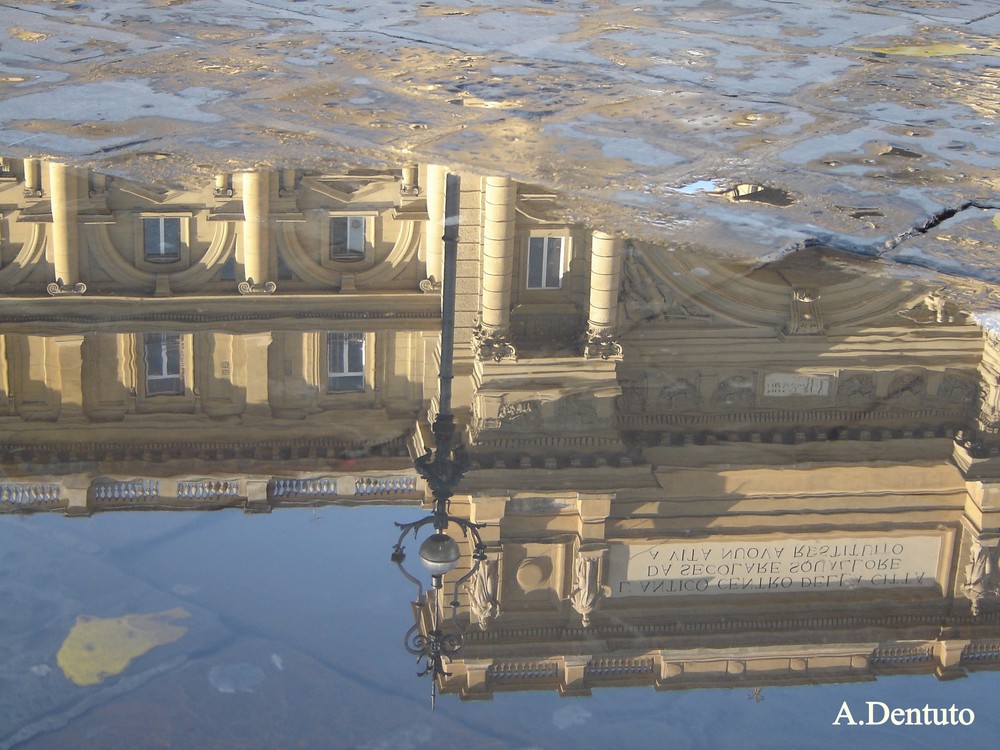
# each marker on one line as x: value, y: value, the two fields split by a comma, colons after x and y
x: 301, y: 616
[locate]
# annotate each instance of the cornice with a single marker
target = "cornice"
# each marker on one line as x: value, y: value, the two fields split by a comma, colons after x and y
x: 278, y: 311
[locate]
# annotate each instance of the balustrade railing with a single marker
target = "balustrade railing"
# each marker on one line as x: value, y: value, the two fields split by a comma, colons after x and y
x: 30, y: 493
x: 610, y: 667
x: 392, y: 485
x: 344, y: 487
x: 131, y: 490
x: 298, y: 489
x: 209, y: 489
x: 523, y: 671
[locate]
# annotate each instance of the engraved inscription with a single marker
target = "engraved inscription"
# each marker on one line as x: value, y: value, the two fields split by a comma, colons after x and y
x: 774, y: 566
x: 788, y: 384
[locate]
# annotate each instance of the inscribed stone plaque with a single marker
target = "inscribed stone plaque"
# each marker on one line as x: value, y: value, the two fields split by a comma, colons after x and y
x: 746, y: 566
x: 780, y: 384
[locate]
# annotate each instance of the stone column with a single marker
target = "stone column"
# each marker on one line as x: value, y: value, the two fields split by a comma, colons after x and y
x: 493, y: 333
x: 605, y: 281
x: 32, y: 178
x: 434, y: 236
x: 256, y: 233
x: 409, y: 185
x: 222, y: 188
x: 65, y: 238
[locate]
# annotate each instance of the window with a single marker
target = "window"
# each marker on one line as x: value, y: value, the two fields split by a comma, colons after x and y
x: 161, y: 239
x: 164, y: 364
x: 345, y: 362
x: 347, y: 238
x: 545, y: 262
x: 228, y: 270
x: 284, y: 272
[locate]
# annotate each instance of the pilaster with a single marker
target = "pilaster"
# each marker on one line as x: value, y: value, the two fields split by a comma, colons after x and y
x: 256, y: 346
x: 69, y: 372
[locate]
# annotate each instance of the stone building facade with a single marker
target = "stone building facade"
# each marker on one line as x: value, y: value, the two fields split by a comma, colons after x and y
x: 273, y: 339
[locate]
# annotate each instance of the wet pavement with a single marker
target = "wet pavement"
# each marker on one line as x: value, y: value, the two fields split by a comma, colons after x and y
x: 873, y: 119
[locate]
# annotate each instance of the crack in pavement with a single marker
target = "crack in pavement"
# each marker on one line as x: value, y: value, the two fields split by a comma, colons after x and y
x: 935, y: 220
x: 876, y: 250
x: 111, y: 149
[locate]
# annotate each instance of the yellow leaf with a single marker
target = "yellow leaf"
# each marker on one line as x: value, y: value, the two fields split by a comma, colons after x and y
x: 98, y: 648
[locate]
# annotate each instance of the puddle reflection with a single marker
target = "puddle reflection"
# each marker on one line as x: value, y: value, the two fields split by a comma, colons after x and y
x: 690, y: 473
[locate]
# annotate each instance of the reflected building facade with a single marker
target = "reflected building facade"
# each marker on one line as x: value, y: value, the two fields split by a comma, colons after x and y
x: 691, y: 472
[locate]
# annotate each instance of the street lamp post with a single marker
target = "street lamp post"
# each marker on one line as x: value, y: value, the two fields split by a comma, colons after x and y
x: 442, y: 469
